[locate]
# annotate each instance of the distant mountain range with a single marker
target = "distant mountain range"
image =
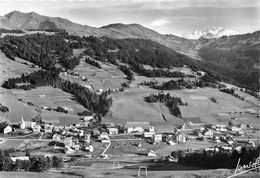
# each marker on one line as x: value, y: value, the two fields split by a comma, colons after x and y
x: 189, y: 47
x: 210, y: 32
x: 32, y: 20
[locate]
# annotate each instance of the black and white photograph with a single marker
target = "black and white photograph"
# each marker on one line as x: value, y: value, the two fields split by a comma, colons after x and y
x: 129, y: 88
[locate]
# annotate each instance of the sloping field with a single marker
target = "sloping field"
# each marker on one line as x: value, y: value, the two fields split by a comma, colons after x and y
x: 10, y: 68
x: 107, y: 77
x: 43, y: 96
x: 50, y: 97
x: 130, y: 106
x: 18, y: 109
x: 200, y: 105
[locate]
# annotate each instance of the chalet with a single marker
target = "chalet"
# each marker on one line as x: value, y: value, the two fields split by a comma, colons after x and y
x: 7, y: 129
x: 88, y: 118
x: 105, y: 141
x: 56, y: 137
x: 208, y: 133
x: 180, y: 137
x: 210, y: 149
x: 157, y: 138
x: 149, y: 134
x: 89, y: 148
x: 242, y: 126
x: 67, y: 141
x: 95, y: 132
x: 87, y: 140
x: 235, y: 129
x: 22, y: 158
x: 48, y: 128
x: 151, y: 153
x: 68, y: 150
x: 226, y: 148
x: 76, y: 147
x: 46, y: 108
x: 172, y: 159
x: 136, y: 126
x: 238, y: 148
x: 135, y: 130
x: 184, y: 126
x: 151, y: 129
x: 199, y: 134
x: 83, y: 78
x: 103, y: 136
x: 202, y: 129
x: 170, y: 142
x: 84, y: 123
x: 112, y: 130
x: 36, y: 128
x: 58, y: 128
x: 241, y: 133
x: 65, y: 159
x: 75, y: 73
x: 88, y: 87
x: 81, y: 133
x: 221, y: 128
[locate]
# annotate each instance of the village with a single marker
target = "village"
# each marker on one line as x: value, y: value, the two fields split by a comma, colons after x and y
x: 90, y: 140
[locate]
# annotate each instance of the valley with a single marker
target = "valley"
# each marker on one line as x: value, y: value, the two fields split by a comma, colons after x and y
x: 80, y: 101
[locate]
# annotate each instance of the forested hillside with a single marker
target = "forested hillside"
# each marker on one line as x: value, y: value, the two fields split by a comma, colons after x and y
x: 43, y: 50
x: 229, y: 65
x: 236, y: 57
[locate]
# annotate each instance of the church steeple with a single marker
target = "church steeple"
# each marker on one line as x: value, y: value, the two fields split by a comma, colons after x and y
x: 22, y: 124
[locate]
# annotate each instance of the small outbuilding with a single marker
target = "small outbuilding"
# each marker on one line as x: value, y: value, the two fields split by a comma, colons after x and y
x: 180, y: 137
x: 157, y: 138
x: 112, y: 130
x: 36, y: 128
x: 7, y: 129
x: 151, y: 153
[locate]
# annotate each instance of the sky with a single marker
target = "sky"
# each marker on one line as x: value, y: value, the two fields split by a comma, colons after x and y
x: 165, y: 16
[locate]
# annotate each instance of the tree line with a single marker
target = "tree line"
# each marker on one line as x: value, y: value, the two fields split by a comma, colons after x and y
x: 170, y: 101
x: 127, y: 71
x: 220, y: 159
x: 34, y: 164
x: 3, y: 108
x: 3, y: 30
x: 178, y: 84
x: 93, y: 63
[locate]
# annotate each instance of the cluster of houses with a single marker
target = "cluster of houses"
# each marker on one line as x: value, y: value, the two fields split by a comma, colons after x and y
x: 80, y: 137
x: 220, y: 132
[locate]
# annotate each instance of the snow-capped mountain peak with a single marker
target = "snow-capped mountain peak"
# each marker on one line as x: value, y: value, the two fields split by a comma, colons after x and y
x: 210, y: 32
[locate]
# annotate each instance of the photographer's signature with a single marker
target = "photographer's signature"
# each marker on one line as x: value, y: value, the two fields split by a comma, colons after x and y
x: 242, y: 169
